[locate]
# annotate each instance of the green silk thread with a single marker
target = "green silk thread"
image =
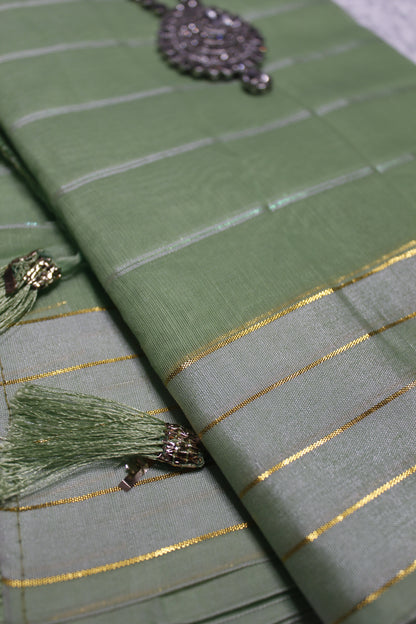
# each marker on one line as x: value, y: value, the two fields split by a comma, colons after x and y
x: 53, y: 433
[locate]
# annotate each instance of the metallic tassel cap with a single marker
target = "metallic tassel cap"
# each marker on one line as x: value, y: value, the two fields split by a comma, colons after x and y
x: 181, y: 448
x: 35, y: 269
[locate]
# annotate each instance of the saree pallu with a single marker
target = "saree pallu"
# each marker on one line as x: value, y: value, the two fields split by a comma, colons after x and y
x: 262, y: 252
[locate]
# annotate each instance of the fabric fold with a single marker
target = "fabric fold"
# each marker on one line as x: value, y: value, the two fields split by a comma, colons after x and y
x: 83, y: 550
x: 262, y: 251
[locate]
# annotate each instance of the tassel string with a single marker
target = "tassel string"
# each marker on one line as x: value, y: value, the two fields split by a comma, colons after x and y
x: 53, y: 433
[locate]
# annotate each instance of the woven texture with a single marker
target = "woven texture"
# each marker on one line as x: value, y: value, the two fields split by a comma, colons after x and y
x: 83, y: 550
x: 262, y: 251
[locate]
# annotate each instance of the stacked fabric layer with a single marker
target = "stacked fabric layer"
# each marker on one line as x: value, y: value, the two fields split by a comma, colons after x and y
x: 84, y: 550
x: 262, y: 251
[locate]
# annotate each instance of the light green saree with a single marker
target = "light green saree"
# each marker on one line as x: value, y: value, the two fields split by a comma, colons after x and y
x: 262, y: 253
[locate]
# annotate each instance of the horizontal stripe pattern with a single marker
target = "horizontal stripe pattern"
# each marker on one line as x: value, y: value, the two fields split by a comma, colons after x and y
x: 318, y: 55
x: 164, y: 90
x: 117, y: 565
x: 301, y: 115
x: 325, y: 358
x: 400, y: 160
x: 29, y: 4
x: 405, y: 252
x: 68, y: 369
x: 240, y: 137
x: 320, y: 188
x: 330, y: 436
x: 86, y: 497
x: 53, y: 317
x: 311, y: 537
x: 325, y: 109
x: 107, y: 172
x: 284, y: 201
x: 184, y: 241
x: 69, y: 47
x: 88, y: 106
x: 402, y: 574
x: 29, y: 225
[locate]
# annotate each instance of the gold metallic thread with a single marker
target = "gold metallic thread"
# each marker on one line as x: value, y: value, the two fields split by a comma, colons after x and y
x: 304, y: 369
x: 350, y: 510
x: 3, y: 383
x: 53, y: 306
x: 69, y: 369
x: 165, y: 550
x: 376, y: 594
x: 265, y: 475
x: 161, y: 410
x: 85, y: 497
x: 262, y: 321
x: 63, y: 315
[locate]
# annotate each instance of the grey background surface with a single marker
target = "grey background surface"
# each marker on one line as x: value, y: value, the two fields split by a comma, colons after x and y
x: 393, y: 20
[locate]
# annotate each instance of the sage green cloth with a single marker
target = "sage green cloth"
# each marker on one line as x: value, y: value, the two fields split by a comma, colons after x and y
x: 262, y: 251
x: 84, y: 550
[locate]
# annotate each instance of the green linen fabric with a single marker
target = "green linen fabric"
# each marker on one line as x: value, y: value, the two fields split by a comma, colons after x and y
x: 262, y: 251
x: 84, y: 550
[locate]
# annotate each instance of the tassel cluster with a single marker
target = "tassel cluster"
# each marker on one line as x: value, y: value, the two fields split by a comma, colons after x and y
x: 54, y: 433
x: 20, y: 282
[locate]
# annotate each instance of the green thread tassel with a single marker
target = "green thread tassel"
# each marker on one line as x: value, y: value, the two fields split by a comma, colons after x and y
x: 14, y: 305
x: 54, y: 433
x: 21, y: 280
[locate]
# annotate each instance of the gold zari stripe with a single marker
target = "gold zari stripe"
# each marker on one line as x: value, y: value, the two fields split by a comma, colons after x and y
x: 265, y: 475
x: 305, y: 369
x: 69, y: 369
x: 70, y: 576
x: 63, y: 315
x: 350, y: 510
x: 84, y: 497
x: 162, y: 410
x: 262, y: 321
x: 376, y: 594
x: 53, y: 306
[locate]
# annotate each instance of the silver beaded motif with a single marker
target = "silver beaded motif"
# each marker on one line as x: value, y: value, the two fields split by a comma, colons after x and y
x: 212, y: 43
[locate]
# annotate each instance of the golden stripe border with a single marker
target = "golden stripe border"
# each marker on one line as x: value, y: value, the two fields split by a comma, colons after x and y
x: 311, y: 537
x: 406, y: 251
x: 311, y: 447
x: 325, y: 358
x: 117, y: 565
x: 84, y: 497
x: 378, y: 592
x: 53, y: 317
x: 69, y: 369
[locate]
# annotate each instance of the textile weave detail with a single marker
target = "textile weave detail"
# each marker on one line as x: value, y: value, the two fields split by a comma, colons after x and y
x: 164, y: 90
x: 53, y: 317
x: 376, y: 594
x: 222, y: 341
x: 311, y: 537
x: 84, y: 497
x: 312, y: 447
x: 305, y: 369
x: 64, y: 47
x: 68, y: 369
x: 164, y: 550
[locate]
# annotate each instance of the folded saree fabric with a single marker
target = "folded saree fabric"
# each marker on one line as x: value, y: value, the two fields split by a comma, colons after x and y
x: 262, y: 251
x: 84, y: 550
